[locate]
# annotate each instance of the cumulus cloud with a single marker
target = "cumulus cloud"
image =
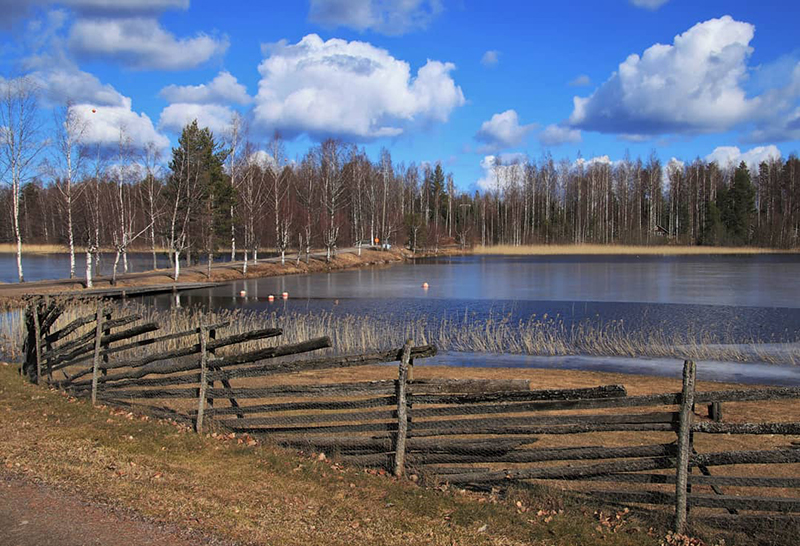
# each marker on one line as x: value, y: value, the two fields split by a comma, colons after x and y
x: 224, y: 88
x: 731, y: 156
x: 490, y: 58
x: 648, y: 4
x: 216, y: 117
x: 597, y: 160
x: 68, y: 84
x: 103, y: 125
x: 383, y: 16
x: 503, y: 130
x: 349, y: 89
x: 501, y: 171
x: 691, y: 86
x: 141, y: 43
x: 581, y: 81
x: 555, y: 135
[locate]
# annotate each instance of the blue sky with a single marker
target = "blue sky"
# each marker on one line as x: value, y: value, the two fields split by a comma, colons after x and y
x: 431, y: 80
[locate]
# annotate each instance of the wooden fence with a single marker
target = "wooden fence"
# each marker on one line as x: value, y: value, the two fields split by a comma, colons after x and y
x: 466, y: 432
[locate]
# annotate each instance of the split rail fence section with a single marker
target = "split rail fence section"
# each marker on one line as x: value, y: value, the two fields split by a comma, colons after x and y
x: 466, y: 432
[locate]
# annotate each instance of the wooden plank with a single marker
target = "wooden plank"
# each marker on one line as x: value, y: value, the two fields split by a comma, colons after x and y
x: 476, y: 386
x: 747, y: 428
x: 77, y: 346
x: 732, y: 481
x: 402, y: 410
x: 461, y: 424
x: 684, y: 446
x: 188, y: 351
x: 164, y: 368
x: 69, y: 359
x: 526, y: 395
x: 308, y: 405
x: 774, y: 504
x: 487, y: 455
x: 775, y: 456
x: 565, y: 472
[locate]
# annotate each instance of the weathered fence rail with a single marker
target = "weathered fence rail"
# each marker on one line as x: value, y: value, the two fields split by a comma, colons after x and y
x: 466, y: 432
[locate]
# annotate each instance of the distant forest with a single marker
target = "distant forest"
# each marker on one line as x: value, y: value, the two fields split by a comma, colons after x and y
x: 228, y: 193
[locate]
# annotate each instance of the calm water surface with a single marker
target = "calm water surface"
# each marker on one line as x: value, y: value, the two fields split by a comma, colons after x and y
x: 748, y: 298
x: 39, y: 267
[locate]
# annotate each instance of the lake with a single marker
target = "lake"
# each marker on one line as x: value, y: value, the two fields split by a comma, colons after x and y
x: 739, y: 298
x: 47, y: 266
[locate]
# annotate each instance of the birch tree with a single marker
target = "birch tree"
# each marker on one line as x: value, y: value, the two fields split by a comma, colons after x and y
x: 70, y: 128
x: 20, y: 144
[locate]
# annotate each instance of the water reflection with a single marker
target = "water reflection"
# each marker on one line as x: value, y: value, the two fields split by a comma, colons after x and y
x: 737, y: 297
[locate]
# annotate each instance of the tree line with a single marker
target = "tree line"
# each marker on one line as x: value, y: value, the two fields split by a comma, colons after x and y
x: 225, y: 192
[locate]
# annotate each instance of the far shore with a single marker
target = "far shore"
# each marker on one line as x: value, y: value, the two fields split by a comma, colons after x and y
x: 510, y: 250
x: 595, y: 249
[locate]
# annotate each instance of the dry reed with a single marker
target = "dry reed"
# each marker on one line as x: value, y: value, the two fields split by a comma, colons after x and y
x: 593, y: 249
x: 545, y: 335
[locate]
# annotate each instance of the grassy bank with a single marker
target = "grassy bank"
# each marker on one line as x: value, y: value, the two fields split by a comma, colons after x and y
x: 236, y: 489
x: 590, y: 249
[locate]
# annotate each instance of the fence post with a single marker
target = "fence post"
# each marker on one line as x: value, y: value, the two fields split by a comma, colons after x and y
x: 402, y: 411
x: 106, y: 332
x: 684, y: 446
x: 203, y: 379
x: 37, y: 334
x: 98, y: 336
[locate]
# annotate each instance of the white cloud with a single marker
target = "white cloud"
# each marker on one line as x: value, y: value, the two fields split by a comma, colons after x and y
x: 731, y: 156
x: 555, y: 135
x: 648, y: 4
x: 68, y: 84
x: 214, y: 116
x: 141, y: 43
x: 597, y: 160
x: 581, y: 81
x: 224, y: 88
x: 691, y: 86
x: 349, y: 89
x: 103, y: 124
x: 498, y: 177
x: 384, y: 16
x: 490, y: 58
x: 503, y: 131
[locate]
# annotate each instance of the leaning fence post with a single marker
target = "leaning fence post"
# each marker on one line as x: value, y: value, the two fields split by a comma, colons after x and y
x: 402, y: 411
x: 98, y: 336
x: 684, y: 446
x: 37, y: 333
x: 203, y: 379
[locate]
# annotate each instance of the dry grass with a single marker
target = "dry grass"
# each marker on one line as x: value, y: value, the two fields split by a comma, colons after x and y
x: 545, y: 336
x: 591, y: 249
x: 258, y: 494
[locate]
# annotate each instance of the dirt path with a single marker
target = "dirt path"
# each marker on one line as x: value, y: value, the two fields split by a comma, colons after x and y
x: 37, y: 515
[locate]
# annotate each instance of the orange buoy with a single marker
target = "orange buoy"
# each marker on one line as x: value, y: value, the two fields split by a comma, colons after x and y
x: 424, y: 286
x: 285, y: 295
x: 271, y: 297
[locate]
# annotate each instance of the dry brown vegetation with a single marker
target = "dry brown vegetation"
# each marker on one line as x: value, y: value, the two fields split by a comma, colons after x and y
x: 595, y: 249
x: 235, y: 488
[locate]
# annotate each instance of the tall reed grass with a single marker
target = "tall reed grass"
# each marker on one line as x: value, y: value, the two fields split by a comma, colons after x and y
x: 538, y: 335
